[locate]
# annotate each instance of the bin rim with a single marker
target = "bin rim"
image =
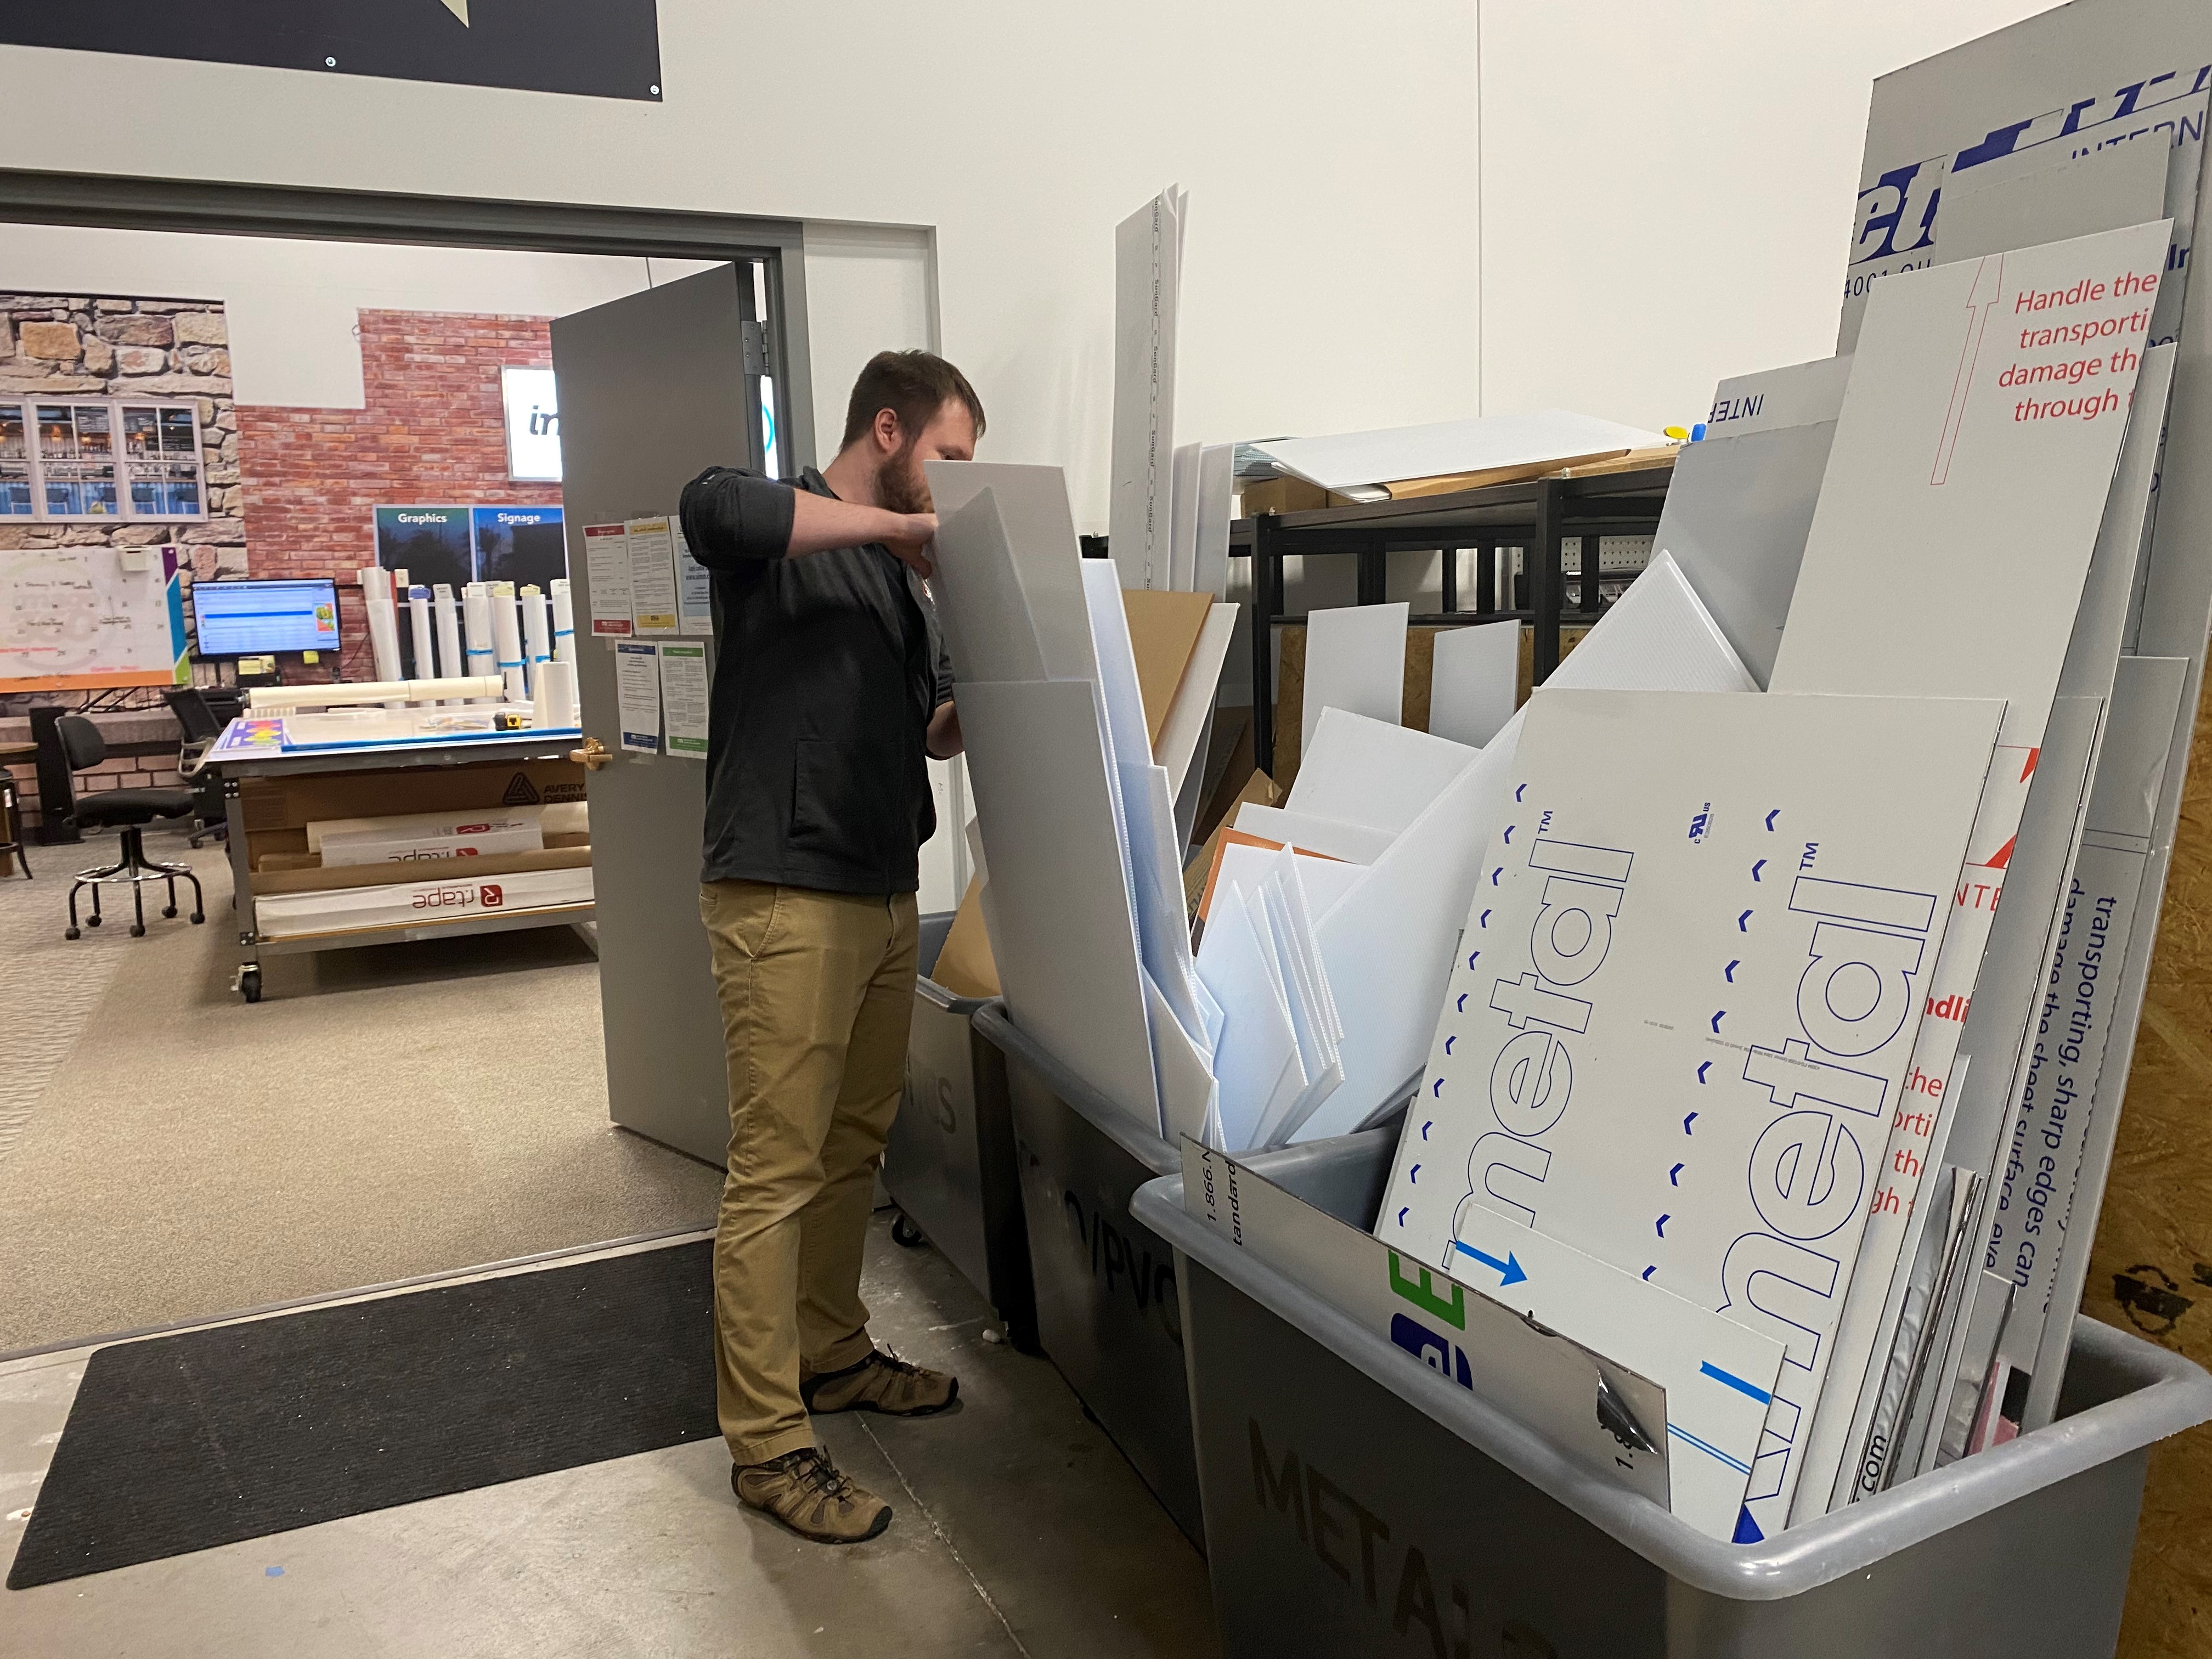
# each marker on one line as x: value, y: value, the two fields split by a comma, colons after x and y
x: 2169, y: 1394
x: 997, y: 1023
x: 950, y: 1001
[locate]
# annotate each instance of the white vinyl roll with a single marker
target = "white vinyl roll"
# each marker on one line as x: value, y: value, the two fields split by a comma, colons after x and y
x: 537, y: 644
x: 507, y: 640
x: 449, y: 633
x: 383, y: 621
x: 418, y: 616
x: 272, y: 698
x: 541, y: 710
x: 560, y: 682
x: 476, y: 606
x: 564, y: 621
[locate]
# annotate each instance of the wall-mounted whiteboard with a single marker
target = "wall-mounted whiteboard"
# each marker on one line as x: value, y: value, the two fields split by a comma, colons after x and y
x: 78, y: 617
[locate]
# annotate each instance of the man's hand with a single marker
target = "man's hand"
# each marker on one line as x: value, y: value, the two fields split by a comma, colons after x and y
x: 909, y: 538
x: 944, y: 740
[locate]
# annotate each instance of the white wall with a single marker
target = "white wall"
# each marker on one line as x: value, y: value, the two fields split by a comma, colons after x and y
x: 1331, y: 249
x: 1667, y: 190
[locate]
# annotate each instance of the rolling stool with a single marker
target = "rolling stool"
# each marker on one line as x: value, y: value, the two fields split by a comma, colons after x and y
x: 11, y: 824
x: 129, y: 811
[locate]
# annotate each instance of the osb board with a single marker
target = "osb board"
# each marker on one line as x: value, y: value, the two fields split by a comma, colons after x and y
x: 2151, y: 1270
x: 1420, y: 665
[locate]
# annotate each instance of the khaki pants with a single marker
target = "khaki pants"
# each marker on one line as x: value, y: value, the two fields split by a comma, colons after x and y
x: 817, y: 992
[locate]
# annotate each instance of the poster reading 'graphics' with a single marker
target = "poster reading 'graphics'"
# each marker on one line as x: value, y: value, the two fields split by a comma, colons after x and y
x: 432, y: 544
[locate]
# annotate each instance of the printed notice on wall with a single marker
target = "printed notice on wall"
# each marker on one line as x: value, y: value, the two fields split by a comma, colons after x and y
x: 652, y: 576
x: 695, y: 587
x: 606, y: 564
x: 684, y: 696
x: 637, y: 689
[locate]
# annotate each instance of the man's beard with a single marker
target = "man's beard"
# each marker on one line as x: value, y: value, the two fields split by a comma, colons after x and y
x: 900, y: 486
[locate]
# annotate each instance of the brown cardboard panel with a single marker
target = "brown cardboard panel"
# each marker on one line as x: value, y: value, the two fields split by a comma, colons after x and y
x: 1164, y: 630
x: 1451, y: 483
x: 1290, y: 702
x: 1631, y: 460
x: 287, y: 803
x: 267, y: 849
x: 1197, y: 875
x: 1420, y: 673
x: 2150, y: 1271
x: 317, y: 879
x: 1281, y: 496
x: 964, y: 964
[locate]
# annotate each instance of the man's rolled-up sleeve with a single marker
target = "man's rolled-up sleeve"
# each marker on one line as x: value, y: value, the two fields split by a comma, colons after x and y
x: 734, y: 519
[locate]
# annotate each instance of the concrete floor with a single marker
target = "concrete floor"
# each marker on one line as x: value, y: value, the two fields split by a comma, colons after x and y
x: 168, y: 1152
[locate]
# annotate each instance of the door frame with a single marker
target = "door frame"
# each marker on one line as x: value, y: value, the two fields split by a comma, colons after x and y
x: 207, y: 207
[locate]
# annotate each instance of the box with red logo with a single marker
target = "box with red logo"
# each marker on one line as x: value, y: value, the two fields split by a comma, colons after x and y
x: 415, y: 836
x: 396, y: 904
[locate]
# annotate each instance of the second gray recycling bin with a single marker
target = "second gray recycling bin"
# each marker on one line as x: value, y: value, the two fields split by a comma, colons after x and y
x: 1106, y: 1304
x: 950, y: 1164
x: 1358, y: 1502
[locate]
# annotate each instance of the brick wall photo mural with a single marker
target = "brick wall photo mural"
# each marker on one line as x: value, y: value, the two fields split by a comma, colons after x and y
x: 432, y: 430
x: 63, y: 354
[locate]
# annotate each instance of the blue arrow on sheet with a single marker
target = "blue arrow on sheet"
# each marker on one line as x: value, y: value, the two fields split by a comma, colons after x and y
x: 1718, y: 1018
x: 1448, y: 1041
x: 1520, y: 792
x: 1756, y: 868
x: 1436, y: 1093
x: 1484, y: 922
x: 1704, y: 1066
x: 1509, y: 834
x: 1510, y: 1271
x: 1663, y: 1220
x: 1771, y: 817
x: 1402, y: 1217
x: 1673, y: 1175
x: 1743, y: 922
x: 1425, y: 1127
x: 1462, y: 1002
x: 1685, y: 1123
x: 1494, y: 874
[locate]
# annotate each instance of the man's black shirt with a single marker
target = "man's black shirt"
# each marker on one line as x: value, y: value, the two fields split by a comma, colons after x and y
x: 827, y: 670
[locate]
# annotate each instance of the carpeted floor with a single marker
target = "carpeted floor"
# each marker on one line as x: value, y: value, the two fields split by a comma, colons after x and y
x: 168, y: 1151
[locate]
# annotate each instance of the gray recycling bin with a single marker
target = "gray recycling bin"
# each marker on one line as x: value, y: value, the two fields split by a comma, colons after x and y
x: 1358, y: 1503
x: 1107, y: 1311
x: 949, y: 1165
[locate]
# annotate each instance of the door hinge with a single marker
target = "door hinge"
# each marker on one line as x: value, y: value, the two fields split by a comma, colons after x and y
x: 754, y: 338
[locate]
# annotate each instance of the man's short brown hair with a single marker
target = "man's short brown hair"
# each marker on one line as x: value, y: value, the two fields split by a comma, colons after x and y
x: 912, y: 385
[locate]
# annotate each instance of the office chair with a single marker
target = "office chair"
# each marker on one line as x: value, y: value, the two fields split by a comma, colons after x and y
x: 129, y: 811
x: 202, y: 714
x: 11, y: 826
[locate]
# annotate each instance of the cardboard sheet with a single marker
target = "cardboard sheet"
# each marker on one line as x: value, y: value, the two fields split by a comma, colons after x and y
x: 1040, y: 537
x: 964, y: 966
x: 1351, y: 458
x: 1148, y: 274
x: 1371, y: 772
x: 1475, y: 682
x: 1705, y: 924
x: 1355, y: 661
x: 1034, y: 757
x: 1539, y: 1377
x: 1164, y: 632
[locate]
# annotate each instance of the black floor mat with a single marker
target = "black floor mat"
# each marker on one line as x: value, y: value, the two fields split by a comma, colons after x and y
x: 182, y: 1442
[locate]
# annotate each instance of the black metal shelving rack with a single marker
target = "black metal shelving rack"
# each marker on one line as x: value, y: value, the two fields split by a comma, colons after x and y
x: 1538, y: 516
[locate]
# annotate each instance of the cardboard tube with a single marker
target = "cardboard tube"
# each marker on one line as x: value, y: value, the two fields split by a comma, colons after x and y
x: 449, y: 634
x: 560, y: 683
x: 506, y: 640
x: 383, y: 621
x: 536, y: 637
x: 564, y: 621
x: 418, y: 616
x: 476, y: 603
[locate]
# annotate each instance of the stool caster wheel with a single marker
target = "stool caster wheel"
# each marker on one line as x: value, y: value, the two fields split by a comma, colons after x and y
x: 197, y: 918
x: 905, y: 1234
x: 74, y: 933
x: 137, y: 930
x: 169, y: 912
x: 92, y: 921
x: 249, y: 983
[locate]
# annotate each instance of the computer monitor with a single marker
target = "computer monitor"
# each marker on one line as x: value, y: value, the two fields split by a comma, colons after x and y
x: 250, y: 618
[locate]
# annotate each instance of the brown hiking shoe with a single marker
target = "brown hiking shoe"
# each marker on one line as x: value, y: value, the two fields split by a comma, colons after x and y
x: 804, y: 1489
x: 881, y: 1383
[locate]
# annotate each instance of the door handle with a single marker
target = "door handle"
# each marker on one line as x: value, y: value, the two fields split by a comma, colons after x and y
x: 592, y: 756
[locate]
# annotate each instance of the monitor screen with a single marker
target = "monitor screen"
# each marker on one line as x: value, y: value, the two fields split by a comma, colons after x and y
x: 240, y: 618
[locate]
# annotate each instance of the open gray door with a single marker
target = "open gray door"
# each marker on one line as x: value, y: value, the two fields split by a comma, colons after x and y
x: 653, y: 389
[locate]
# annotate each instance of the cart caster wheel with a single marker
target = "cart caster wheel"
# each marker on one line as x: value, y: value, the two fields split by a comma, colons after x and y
x: 197, y: 918
x: 169, y: 911
x: 249, y: 984
x: 73, y: 933
x: 92, y: 921
x: 137, y: 930
x: 906, y: 1234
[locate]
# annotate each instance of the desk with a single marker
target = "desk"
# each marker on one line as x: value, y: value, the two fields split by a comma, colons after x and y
x: 502, y: 757
x: 1537, y: 516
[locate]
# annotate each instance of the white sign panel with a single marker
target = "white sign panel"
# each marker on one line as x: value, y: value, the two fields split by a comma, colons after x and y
x: 534, y: 424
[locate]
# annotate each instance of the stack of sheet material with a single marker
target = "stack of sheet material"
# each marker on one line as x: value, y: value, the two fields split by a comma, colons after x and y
x: 1453, y: 454
x: 1168, y: 521
x: 1733, y: 1015
x: 1076, y: 802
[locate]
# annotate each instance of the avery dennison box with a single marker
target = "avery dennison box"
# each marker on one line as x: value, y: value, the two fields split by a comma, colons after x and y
x: 1361, y: 1498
